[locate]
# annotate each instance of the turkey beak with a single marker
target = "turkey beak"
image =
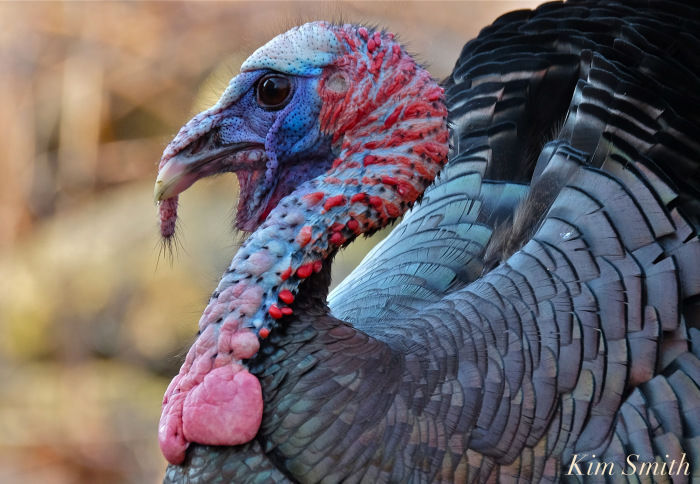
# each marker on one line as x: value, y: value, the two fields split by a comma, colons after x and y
x: 173, y: 178
x: 195, y: 161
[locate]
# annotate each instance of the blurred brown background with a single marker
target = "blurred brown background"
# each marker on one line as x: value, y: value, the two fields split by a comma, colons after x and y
x: 91, y: 326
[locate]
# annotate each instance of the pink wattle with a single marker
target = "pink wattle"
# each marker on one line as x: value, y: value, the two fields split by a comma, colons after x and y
x: 215, y: 400
x: 170, y: 436
x: 225, y: 409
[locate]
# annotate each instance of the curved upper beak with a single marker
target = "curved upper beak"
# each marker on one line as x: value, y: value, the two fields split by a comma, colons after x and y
x: 198, y: 160
x: 197, y: 151
x: 173, y: 178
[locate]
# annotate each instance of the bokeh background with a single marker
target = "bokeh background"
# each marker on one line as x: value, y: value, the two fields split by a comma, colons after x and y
x: 93, y: 323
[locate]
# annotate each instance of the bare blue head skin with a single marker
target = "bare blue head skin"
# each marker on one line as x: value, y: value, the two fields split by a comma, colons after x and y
x: 273, y: 148
x: 333, y: 131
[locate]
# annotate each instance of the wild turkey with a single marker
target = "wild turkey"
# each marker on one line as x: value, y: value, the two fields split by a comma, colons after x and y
x: 534, y: 315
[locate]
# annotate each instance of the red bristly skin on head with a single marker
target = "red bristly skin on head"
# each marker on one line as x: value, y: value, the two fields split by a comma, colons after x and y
x: 388, y: 122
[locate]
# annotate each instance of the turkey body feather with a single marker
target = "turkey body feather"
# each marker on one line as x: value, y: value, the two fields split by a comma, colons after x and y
x: 540, y: 304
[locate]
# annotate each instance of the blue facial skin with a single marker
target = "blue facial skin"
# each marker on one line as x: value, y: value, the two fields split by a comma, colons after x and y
x: 295, y: 148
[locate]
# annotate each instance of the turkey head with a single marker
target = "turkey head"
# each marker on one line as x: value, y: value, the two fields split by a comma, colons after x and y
x: 333, y: 131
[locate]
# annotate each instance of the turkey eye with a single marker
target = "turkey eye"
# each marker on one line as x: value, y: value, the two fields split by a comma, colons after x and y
x: 273, y: 91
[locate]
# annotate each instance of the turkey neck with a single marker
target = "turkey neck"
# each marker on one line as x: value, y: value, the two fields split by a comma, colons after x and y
x: 387, y: 120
